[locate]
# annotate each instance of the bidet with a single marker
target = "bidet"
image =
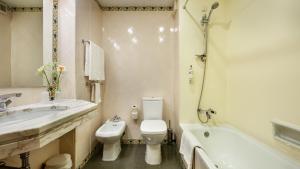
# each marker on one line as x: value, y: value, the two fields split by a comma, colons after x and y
x: 110, y: 134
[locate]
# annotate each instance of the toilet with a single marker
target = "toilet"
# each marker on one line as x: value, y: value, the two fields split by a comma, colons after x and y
x: 153, y: 128
x: 110, y: 134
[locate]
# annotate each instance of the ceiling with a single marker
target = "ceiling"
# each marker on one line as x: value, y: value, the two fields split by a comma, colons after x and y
x: 136, y: 3
x: 24, y: 3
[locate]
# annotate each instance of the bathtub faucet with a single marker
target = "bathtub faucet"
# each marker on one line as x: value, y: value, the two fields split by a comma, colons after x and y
x: 208, y: 113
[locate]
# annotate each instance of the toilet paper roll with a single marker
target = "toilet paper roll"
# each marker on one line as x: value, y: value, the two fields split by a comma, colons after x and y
x: 134, y: 113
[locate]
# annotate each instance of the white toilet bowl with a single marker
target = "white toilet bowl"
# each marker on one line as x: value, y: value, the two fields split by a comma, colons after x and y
x: 110, y: 134
x: 153, y: 132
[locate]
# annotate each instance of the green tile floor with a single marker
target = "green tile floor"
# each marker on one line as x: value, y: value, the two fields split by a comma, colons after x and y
x: 133, y: 157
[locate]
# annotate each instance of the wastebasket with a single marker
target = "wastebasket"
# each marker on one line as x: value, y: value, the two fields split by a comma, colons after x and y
x: 61, y: 161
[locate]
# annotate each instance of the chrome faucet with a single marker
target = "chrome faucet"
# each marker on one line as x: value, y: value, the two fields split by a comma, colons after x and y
x: 5, y: 100
x: 208, y: 113
x: 116, y: 118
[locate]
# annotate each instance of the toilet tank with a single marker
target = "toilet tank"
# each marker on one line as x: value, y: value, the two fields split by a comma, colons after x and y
x: 152, y: 108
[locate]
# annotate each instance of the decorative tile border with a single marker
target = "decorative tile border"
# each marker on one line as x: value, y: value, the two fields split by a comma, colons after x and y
x: 55, y: 31
x: 136, y: 141
x: 26, y: 9
x: 135, y: 8
x: 132, y: 141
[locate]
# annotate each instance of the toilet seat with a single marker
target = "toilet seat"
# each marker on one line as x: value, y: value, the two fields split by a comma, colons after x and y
x: 153, y: 127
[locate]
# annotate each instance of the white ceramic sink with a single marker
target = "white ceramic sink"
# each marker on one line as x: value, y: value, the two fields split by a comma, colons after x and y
x: 17, y: 116
x: 29, y: 121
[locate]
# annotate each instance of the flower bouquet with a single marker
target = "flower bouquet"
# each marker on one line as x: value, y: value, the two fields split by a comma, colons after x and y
x: 52, y: 73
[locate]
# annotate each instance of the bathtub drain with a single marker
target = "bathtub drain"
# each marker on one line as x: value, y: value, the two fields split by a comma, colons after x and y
x: 206, y: 134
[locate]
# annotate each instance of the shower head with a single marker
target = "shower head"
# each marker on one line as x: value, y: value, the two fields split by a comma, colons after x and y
x: 215, y: 5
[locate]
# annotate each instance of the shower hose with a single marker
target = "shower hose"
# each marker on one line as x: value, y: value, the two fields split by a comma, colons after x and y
x: 199, y: 110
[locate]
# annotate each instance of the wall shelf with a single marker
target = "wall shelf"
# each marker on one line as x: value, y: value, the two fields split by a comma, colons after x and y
x: 287, y: 133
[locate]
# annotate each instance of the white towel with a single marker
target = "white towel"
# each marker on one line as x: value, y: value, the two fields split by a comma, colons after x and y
x: 92, y: 99
x: 87, y: 57
x: 187, y: 145
x: 97, y: 93
x: 96, y: 63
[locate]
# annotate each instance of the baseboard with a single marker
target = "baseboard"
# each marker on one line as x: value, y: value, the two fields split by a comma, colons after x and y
x: 137, y: 141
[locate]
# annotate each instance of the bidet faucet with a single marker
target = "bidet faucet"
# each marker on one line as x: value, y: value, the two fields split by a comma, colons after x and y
x: 5, y: 100
x: 116, y: 118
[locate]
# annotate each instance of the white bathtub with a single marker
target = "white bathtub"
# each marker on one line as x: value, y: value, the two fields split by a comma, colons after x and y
x: 228, y: 148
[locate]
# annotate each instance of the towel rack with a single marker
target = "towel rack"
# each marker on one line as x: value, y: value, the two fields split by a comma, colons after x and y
x: 92, y: 82
x: 86, y: 41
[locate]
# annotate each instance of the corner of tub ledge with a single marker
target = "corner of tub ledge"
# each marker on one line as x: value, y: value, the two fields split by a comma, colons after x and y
x: 188, y: 125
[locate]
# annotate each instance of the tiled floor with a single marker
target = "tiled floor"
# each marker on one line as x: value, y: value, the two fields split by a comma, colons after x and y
x: 133, y: 157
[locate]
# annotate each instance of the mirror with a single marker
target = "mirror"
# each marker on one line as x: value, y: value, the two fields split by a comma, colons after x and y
x: 21, y: 42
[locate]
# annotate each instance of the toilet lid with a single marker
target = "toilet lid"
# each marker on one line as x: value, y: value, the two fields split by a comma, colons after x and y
x: 154, y: 127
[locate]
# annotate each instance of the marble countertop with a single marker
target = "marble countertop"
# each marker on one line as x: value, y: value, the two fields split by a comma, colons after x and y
x: 25, y: 122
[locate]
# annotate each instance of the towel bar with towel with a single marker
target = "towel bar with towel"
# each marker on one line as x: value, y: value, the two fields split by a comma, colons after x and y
x: 94, y: 69
x: 89, y: 83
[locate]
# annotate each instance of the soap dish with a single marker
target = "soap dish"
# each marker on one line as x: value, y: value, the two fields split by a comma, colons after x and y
x: 287, y: 133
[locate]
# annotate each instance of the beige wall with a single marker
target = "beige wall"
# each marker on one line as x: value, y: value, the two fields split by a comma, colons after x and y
x: 135, y: 70
x: 26, y: 48
x: 5, y: 46
x: 263, y: 75
x: 253, y: 76
x: 191, y: 43
x: 21, y: 49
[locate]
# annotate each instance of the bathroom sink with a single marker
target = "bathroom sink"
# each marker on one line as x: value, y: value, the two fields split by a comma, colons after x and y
x: 25, y: 122
x: 17, y: 116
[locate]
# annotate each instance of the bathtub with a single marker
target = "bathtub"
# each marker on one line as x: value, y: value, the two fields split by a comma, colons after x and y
x: 223, y: 147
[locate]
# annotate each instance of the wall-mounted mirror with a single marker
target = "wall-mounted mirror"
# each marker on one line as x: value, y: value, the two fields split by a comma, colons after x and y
x: 22, y: 34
